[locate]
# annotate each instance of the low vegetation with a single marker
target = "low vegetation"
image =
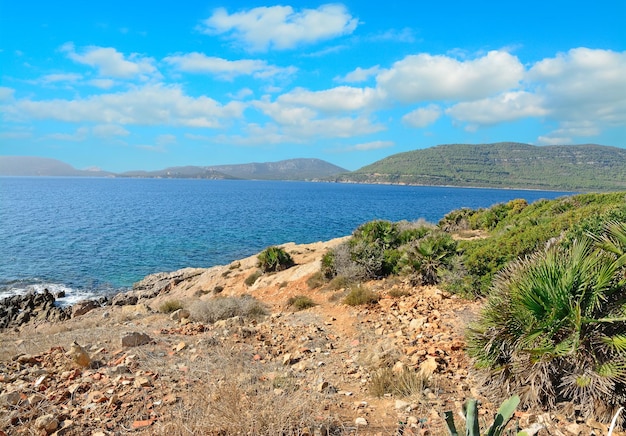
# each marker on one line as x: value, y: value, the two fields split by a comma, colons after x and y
x: 360, y: 295
x: 170, y: 306
x: 301, y: 302
x: 404, y: 383
x: 219, y: 308
x: 274, y: 259
x: 553, y: 329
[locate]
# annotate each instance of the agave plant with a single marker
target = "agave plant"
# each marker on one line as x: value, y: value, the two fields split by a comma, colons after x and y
x: 554, y: 327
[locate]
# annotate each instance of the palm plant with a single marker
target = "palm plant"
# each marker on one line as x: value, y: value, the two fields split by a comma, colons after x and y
x: 554, y: 327
x: 428, y: 256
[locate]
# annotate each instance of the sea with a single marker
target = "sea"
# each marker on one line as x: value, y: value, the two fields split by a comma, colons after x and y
x: 91, y: 237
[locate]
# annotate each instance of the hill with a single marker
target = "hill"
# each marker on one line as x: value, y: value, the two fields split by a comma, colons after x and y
x: 502, y: 165
x: 27, y: 166
x: 292, y: 169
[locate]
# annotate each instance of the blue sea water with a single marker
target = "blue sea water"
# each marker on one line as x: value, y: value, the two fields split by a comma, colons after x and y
x: 93, y: 236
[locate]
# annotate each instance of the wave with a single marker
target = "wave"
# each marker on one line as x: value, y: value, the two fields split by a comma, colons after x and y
x: 64, y: 295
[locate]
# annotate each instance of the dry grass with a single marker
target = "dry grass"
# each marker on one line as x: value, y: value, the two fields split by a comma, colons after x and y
x: 215, y: 309
x: 232, y: 397
x: 403, y: 383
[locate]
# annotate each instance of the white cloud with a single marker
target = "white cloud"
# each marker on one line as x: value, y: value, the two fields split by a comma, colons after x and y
x: 339, y: 99
x: 109, y: 62
x: 102, y: 83
x: 148, y: 105
x: 404, y: 35
x: 583, y: 84
x: 423, y: 116
x: 225, y: 69
x: 554, y: 140
x: 241, y: 94
x: 281, y: 27
x: 165, y: 139
x: 424, y: 77
x: 6, y: 94
x: 78, y: 136
x: 374, y: 145
x: 55, y: 78
x: 109, y: 130
x: 359, y: 75
x: 508, y: 106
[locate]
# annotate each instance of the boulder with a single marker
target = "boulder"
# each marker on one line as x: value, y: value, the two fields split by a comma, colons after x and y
x: 82, y: 307
x: 135, y: 339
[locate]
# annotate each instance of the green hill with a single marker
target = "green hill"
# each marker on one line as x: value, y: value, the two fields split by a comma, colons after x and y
x: 588, y: 167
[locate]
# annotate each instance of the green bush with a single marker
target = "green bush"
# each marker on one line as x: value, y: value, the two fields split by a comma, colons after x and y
x: 360, y: 295
x: 429, y: 257
x: 553, y: 329
x: 170, y: 306
x: 300, y: 302
x: 253, y: 277
x: 274, y: 259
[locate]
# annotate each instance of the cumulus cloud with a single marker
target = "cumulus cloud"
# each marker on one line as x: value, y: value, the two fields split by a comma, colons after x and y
x: 423, y: 116
x: 339, y: 99
x: 374, y: 145
x: 424, y: 77
x: 102, y: 83
x: 226, y: 69
x: 109, y: 62
x: 148, y: 105
x: 281, y: 27
x: 583, y: 84
x: 359, y: 75
x: 508, y: 106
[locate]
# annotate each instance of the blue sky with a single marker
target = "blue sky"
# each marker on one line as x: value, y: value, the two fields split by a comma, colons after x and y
x: 148, y: 85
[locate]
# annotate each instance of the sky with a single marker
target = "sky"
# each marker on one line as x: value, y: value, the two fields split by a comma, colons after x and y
x: 125, y: 85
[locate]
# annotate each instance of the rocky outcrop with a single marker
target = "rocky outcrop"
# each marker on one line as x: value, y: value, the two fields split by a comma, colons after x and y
x: 154, y: 285
x: 21, y: 309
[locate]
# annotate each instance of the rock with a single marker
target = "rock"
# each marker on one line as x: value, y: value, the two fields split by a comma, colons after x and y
x: 179, y: 314
x: 135, y: 339
x: 360, y: 422
x: 47, y: 422
x: 82, y: 307
x: 9, y: 398
x: 79, y: 355
x: 402, y: 405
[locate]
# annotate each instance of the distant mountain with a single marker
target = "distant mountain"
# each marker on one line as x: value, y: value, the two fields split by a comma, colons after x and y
x: 502, y: 165
x: 42, y: 166
x: 292, y: 169
x: 186, y: 172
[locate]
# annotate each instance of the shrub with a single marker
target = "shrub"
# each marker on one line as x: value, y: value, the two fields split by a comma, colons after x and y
x: 429, y: 256
x: 252, y: 278
x: 170, y: 306
x: 219, y: 308
x: 274, y: 259
x: 301, y: 302
x: 360, y: 295
x: 316, y: 280
x: 553, y: 327
x: 404, y: 383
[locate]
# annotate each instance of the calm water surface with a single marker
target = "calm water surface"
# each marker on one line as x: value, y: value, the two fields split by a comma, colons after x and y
x: 94, y: 236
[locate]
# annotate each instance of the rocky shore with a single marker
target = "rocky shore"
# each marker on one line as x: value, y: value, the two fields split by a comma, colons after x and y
x: 122, y: 365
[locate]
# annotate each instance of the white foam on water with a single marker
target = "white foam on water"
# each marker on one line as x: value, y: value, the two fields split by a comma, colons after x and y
x: 71, y: 297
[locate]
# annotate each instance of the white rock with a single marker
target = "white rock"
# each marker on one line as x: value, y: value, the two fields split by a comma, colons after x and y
x: 361, y: 422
